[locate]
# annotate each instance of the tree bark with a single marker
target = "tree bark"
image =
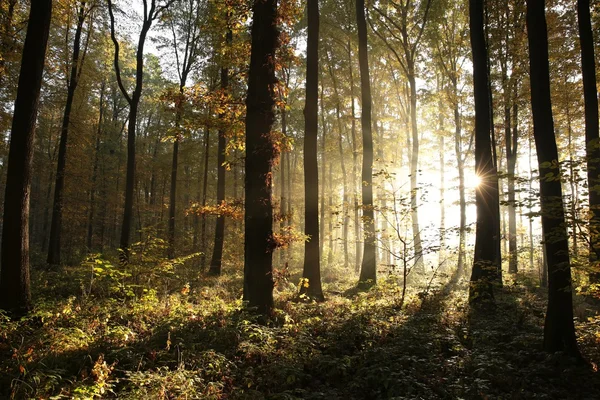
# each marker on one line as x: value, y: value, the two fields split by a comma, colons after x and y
x: 260, y: 155
x: 368, y: 270
x: 90, y: 230
x: 216, y: 261
x: 592, y: 148
x: 357, y: 249
x: 15, y: 295
x: 485, y: 259
x: 559, y: 330
x: 312, y: 258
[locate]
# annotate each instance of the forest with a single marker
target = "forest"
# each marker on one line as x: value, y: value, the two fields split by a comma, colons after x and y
x: 289, y: 199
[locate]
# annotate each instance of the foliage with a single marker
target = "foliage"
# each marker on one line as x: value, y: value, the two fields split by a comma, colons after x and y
x: 180, y: 338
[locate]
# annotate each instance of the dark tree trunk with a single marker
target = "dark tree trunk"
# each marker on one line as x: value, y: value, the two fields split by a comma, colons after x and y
x: 215, y: 263
x: 368, y: 270
x: 203, y: 248
x: 151, y: 12
x: 173, y: 191
x: 312, y: 260
x: 559, y: 330
x: 90, y: 230
x: 330, y: 222
x: 486, y: 194
x: 56, y: 224
x: 323, y: 169
x: 588, y: 69
x: 15, y: 295
x: 260, y: 155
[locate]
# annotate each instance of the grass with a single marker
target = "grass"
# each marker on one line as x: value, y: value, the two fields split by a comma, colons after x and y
x: 178, y: 335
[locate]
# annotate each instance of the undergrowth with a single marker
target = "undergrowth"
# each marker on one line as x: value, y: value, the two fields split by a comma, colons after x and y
x: 154, y: 330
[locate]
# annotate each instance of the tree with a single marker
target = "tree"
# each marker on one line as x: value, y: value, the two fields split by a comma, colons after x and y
x: 15, y: 296
x: 185, y: 29
x: 215, y: 263
x: 312, y: 261
x: 559, y: 330
x: 592, y: 141
x: 368, y: 270
x: 487, y: 243
x: 77, y: 60
x: 260, y: 156
x: 451, y: 51
x: 151, y: 12
x: 399, y: 21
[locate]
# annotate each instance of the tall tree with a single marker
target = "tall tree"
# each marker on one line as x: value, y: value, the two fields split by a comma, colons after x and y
x: 215, y: 263
x: 185, y: 28
x: 260, y: 156
x: 398, y: 22
x: 15, y: 295
x: 77, y: 60
x: 368, y: 270
x: 151, y: 11
x: 559, y: 330
x: 592, y: 142
x: 312, y: 261
x: 487, y: 243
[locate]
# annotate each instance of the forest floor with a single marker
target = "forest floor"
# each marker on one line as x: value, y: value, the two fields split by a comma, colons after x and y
x: 96, y: 336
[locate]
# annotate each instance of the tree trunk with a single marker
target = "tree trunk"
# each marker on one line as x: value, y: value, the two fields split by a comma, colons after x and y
x: 460, y: 165
x: 368, y: 270
x: 357, y: 249
x: 90, y: 230
x: 312, y: 260
x: 260, y: 155
x: 345, y: 199
x: 15, y: 295
x: 323, y: 170
x: 511, y: 141
x: 414, y: 172
x: 559, y: 330
x: 150, y: 14
x: 588, y: 69
x: 217, y: 255
x: 56, y: 224
x: 442, y: 145
x: 486, y: 194
x: 204, y: 196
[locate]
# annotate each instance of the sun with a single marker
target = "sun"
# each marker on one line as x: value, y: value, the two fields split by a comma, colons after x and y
x: 472, y: 180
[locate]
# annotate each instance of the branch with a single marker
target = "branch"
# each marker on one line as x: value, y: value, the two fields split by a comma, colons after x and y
x: 116, y: 59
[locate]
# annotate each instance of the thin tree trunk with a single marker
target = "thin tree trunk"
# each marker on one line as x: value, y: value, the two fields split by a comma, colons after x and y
x: 414, y: 167
x: 216, y: 261
x: 368, y: 270
x: 323, y: 169
x: 90, y: 230
x: 357, y: 248
x: 345, y: 199
x: 204, y: 196
x: 57, y: 209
